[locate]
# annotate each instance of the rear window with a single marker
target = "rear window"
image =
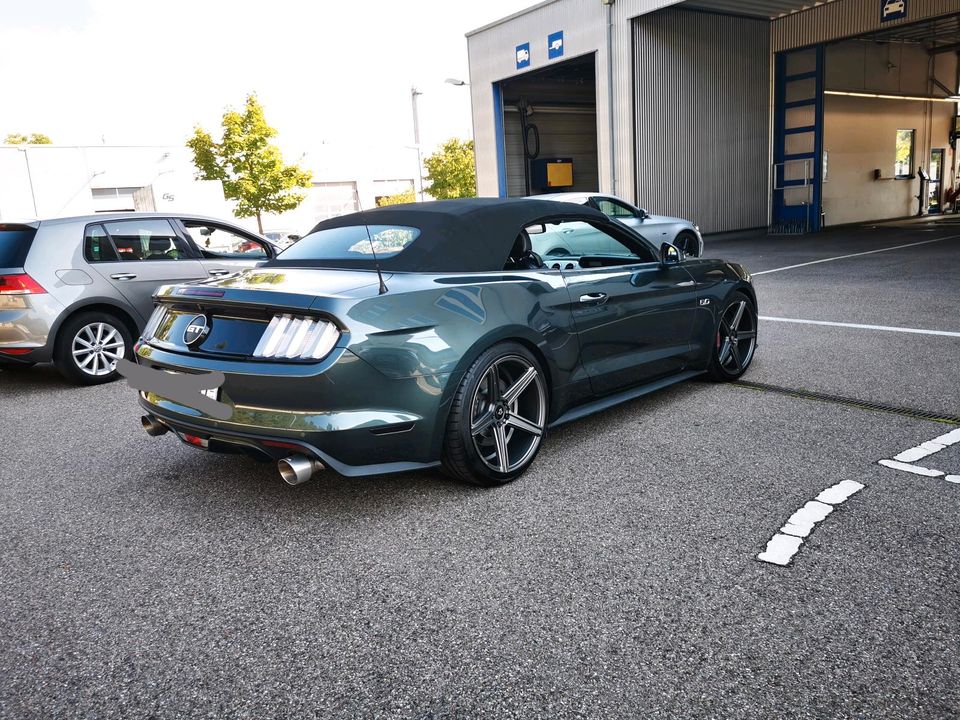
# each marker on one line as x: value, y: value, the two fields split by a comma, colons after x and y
x: 97, y: 246
x: 15, y: 244
x: 352, y: 243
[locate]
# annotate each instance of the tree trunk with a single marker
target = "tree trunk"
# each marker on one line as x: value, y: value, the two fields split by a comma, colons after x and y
x: 259, y: 223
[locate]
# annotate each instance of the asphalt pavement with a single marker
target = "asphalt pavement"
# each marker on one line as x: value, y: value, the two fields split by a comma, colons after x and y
x: 617, y: 579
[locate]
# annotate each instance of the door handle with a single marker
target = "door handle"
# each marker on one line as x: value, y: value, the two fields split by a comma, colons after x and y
x: 597, y: 298
x: 123, y: 276
x: 218, y: 273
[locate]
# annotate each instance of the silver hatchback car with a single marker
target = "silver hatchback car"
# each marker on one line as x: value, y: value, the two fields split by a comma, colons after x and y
x: 79, y: 290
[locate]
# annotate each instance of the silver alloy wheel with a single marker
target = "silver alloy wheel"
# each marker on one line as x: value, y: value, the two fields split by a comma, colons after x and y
x: 96, y: 348
x: 737, y: 337
x: 509, y: 414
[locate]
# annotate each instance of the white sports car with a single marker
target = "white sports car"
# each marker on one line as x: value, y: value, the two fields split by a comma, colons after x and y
x: 655, y: 228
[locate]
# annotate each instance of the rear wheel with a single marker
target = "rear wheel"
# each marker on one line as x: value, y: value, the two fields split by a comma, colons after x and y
x: 498, y: 419
x: 89, y: 346
x: 735, y: 340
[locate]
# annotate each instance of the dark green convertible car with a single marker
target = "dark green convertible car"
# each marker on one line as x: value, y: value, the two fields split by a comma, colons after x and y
x: 452, y: 334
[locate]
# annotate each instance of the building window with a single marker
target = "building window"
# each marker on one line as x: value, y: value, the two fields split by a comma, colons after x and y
x: 905, y: 144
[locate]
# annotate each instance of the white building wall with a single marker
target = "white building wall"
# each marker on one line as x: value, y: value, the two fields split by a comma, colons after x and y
x: 584, y: 25
x: 58, y: 181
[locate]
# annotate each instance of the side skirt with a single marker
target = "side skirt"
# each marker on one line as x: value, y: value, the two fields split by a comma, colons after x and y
x: 610, y: 401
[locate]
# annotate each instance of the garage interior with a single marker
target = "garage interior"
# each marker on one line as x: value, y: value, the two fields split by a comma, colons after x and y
x: 865, y: 127
x: 555, y: 109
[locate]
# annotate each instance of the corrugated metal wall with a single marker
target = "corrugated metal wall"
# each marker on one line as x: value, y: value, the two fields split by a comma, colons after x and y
x: 845, y: 18
x: 572, y: 135
x: 702, y: 108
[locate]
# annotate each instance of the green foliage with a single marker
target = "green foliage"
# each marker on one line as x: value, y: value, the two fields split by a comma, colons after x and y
x: 31, y: 139
x: 407, y: 196
x: 451, y: 170
x: 250, y: 168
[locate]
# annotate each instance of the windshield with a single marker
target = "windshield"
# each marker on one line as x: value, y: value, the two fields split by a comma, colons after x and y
x: 352, y: 243
x: 14, y: 243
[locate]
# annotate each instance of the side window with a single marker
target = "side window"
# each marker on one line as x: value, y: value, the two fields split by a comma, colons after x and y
x: 97, y: 246
x: 614, y: 209
x: 147, y: 239
x: 217, y: 241
x: 575, y: 239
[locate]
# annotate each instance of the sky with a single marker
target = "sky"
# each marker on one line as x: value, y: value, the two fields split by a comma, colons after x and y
x: 145, y: 72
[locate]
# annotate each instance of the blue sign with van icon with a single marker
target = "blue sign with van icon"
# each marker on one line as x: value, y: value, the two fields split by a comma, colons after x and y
x: 523, y: 56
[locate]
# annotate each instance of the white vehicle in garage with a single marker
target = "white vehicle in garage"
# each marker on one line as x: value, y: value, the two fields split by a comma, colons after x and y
x: 655, y: 228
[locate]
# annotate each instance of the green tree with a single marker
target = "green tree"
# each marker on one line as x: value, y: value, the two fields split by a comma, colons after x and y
x: 407, y: 196
x: 451, y: 170
x: 31, y: 139
x: 248, y: 165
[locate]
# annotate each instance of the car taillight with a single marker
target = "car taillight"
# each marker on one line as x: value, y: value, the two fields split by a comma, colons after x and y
x: 159, y: 314
x: 295, y: 337
x: 20, y: 284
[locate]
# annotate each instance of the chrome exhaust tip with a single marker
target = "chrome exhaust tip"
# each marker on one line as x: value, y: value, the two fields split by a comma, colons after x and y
x: 154, y: 427
x: 298, y: 469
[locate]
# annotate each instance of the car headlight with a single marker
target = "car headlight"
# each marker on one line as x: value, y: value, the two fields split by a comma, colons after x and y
x: 297, y: 337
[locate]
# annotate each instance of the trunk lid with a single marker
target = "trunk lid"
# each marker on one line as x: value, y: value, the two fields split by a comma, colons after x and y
x: 233, y: 313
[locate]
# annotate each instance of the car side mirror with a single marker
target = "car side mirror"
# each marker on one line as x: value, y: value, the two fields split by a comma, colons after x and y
x: 670, y: 255
x: 294, y: 238
x: 643, y: 214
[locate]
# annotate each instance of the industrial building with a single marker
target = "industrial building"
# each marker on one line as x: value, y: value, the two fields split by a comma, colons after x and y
x: 736, y: 114
x: 57, y: 180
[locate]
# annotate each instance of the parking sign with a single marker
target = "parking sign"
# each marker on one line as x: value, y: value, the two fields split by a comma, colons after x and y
x: 892, y: 10
x: 523, y: 56
x: 555, y: 45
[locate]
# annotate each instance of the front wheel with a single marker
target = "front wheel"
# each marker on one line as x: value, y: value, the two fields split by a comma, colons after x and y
x: 688, y: 243
x: 89, y: 346
x: 735, y: 339
x: 498, y: 418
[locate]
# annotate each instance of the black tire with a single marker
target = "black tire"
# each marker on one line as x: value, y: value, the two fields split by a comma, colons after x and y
x: 688, y: 243
x: 81, y: 331
x: 733, y: 347
x: 474, y: 457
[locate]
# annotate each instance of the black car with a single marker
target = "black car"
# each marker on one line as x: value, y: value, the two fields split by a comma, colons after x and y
x: 452, y: 334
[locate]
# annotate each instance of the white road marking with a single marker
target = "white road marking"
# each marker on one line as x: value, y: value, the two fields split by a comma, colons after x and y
x: 858, y: 326
x: 907, y: 467
x: 786, y: 543
x: 781, y: 549
x: 839, y: 493
x: 844, y: 257
x: 904, y: 460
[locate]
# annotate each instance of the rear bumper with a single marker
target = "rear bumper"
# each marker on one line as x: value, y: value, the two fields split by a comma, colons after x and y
x: 348, y: 415
x: 26, y: 322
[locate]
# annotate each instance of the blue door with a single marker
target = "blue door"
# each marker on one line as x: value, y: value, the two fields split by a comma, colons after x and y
x: 798, y: 140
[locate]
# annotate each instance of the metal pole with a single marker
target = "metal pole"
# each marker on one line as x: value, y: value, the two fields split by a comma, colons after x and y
x: 613, y: 145
x: 416, y: 135
x: 33, y: 194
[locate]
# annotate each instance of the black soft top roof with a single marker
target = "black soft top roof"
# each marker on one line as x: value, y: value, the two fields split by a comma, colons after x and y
x: 467, y: 235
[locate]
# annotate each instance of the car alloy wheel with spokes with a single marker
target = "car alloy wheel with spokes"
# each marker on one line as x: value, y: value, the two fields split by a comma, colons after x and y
x: 499, y: 417
x: 509, y: 412
x: 89, y: 345
x: 97, y: 347
x: 736, y: 339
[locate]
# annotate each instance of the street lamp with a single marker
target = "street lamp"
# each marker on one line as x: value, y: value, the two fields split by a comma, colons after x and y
x: 456, y: 81
x: 414, y: 93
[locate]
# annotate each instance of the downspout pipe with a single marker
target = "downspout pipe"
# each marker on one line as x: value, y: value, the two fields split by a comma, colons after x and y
x: 610, y: 98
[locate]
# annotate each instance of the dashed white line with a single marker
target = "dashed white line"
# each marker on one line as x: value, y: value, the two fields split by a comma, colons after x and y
x: 905, y: 460
x: 844, y: 257
x: 859, y: 326
x: 785, y: 544
x: 915, y: 469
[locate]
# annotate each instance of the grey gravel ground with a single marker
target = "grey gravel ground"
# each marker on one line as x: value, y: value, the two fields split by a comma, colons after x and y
x: 143, y: 578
